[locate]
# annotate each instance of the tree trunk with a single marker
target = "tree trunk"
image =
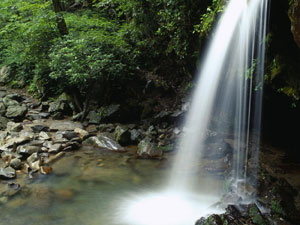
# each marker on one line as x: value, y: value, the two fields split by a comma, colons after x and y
x: 61, y: 23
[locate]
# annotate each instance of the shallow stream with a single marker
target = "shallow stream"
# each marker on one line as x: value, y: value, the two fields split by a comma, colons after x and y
x: 88, y: 187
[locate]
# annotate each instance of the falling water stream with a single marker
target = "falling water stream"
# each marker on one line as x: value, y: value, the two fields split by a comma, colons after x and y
x: 227, y: 99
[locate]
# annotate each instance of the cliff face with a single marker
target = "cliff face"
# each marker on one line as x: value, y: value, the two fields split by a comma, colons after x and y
x: 294, y: 15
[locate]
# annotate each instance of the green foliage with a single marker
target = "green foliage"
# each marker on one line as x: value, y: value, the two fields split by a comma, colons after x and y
x: 277, y: 208
x: 108, y: 41
x: 208, y: 18
x: 83, y: 62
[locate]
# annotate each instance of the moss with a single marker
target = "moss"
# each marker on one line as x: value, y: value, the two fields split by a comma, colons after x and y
x: 256, y: 216
x: 277, y: 208
x: 167, y: 148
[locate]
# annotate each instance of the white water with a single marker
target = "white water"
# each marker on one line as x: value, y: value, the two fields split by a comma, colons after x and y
x: 231, y: 70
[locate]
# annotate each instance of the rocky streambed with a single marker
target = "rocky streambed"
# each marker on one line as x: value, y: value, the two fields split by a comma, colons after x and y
x: 56, y: 170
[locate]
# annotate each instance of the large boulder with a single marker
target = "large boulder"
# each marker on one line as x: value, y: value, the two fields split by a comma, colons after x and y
x: 7, y: 173
x: 16, y: 112
x: 103, y: 141
x: 64, y: 125
x: 60, y: 106
x: 2, y: 109
x: 148, y: 150
x: 4, y: 74
x: 93, y: 117
x: 294, y: 15
x: 122, y: 136
x: 3, y: 122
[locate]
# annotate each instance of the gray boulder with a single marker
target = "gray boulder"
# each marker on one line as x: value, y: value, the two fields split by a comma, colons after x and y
x: 3, y: 122
x: 103, y: 141
x: 16, y: 111
x: 7, y: 173
x: 122, y: 136
x: 148, y: 150
x: 2, y: 109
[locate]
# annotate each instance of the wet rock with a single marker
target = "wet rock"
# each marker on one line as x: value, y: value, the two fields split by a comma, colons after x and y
x: 93, y: 117
x: 83, y: 134
x: 135, y: 136
x: 122, y: 136
x: 25, y: 168
x: 9, y: 102
x: 4, y: 77
x: 33, y: 116
x: 16, y: 141
x: 2, y: 109
x: 78, y: 116
x: 3, y: 122
x: 53, y: 148
x: 39, y: 127
x: 16, y: 97
x: 44, y: 115
x: 59, y: 137
x: 35, y: 165
x: 256, y: 215
x: 216, y: 150
x: 44, y: 107
x: 32, y: 158
x: 28, y: 149
x: 69, y: 135
x: 38, y: 143
x: 7, y: 156
x: 16, y: 163
x: 13, y: 127
x: 103, y: 141
x: 64, y: 126
x: 60, y: 106
x: 16, y: 112
x: 54, y: 158
x: 110, y: 113
x: 44, y: 136
x: 58, y: 116
x: 211, y: 220
x: 7, y: 173
x: 218, y: 167
x: 72, y: 145
x: 163, y: 116
x: 148, y: 150
x: 45, y: 170
x: 294, y: 13
x: 92, y: 129
x: 107, y: 127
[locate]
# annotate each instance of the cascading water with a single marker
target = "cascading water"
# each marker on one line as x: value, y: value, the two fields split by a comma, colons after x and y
x: 227, y: 99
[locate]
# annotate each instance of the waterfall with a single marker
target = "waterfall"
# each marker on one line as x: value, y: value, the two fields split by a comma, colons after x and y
x: 229, y: 91
x: 227, y: 99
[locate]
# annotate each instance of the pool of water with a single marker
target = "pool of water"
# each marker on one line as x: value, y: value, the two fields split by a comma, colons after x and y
x: 89, y: 187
